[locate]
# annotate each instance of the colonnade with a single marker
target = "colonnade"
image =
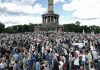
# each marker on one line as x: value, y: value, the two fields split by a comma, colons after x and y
x: 50, y: 19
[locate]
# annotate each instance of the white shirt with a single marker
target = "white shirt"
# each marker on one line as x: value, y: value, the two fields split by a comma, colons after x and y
x: 61, y: 65
x: 2, y: 65
x: 95, y: 55
x: 42, y: 49
x: 92, y: 48
x: 76, y: 61
x: 83, y: 57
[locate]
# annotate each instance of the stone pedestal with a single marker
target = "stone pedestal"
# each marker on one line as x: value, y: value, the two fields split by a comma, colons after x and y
x: 37, y: 29
x: 59, y: 29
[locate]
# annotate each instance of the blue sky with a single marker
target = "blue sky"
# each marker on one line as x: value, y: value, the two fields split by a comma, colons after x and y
x: 16, y: 12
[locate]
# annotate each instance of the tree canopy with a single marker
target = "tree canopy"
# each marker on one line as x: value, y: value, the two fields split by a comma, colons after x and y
x: 2, y: 27
x: 71, y: 27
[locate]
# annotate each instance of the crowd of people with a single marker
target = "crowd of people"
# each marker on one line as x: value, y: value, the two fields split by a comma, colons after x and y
x: 49, y: 51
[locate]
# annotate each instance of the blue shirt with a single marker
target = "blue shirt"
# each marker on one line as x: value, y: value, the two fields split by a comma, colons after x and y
x: 37, y: 66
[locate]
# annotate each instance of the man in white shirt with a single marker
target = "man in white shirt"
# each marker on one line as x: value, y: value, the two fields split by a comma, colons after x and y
x: 61, y: 65
x: 95, y: 58
x: 95, y: 55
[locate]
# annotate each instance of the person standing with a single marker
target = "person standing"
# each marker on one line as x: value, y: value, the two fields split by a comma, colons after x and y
x: 25, y: 62
x: 55, y: 65
x: 76, y: 62
x: 15, y: 66
x: 61, y: 65
x: 95, y: 58
x: 89, y: 59
x: 49, y: 58
x: 83, y: 60
x: 38, y: 65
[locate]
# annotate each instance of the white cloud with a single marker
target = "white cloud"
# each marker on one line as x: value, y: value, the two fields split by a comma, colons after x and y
x: 7, y: 8
x: 57, y: 1
x: 37, y: 8
x: 85, y: 10
x: 20, y: 2
x: 19, y: 20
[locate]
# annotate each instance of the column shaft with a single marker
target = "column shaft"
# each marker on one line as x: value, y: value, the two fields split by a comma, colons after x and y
x: 50, y: 20
x: 43, y: 19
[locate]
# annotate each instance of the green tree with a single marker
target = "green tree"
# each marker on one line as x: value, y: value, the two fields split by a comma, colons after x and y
x: 2, y: 27
x: 31, y: 27
x: 9, y: 30
x: 19, y: 28
x: 78, y: 23
x: 25, y: 28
